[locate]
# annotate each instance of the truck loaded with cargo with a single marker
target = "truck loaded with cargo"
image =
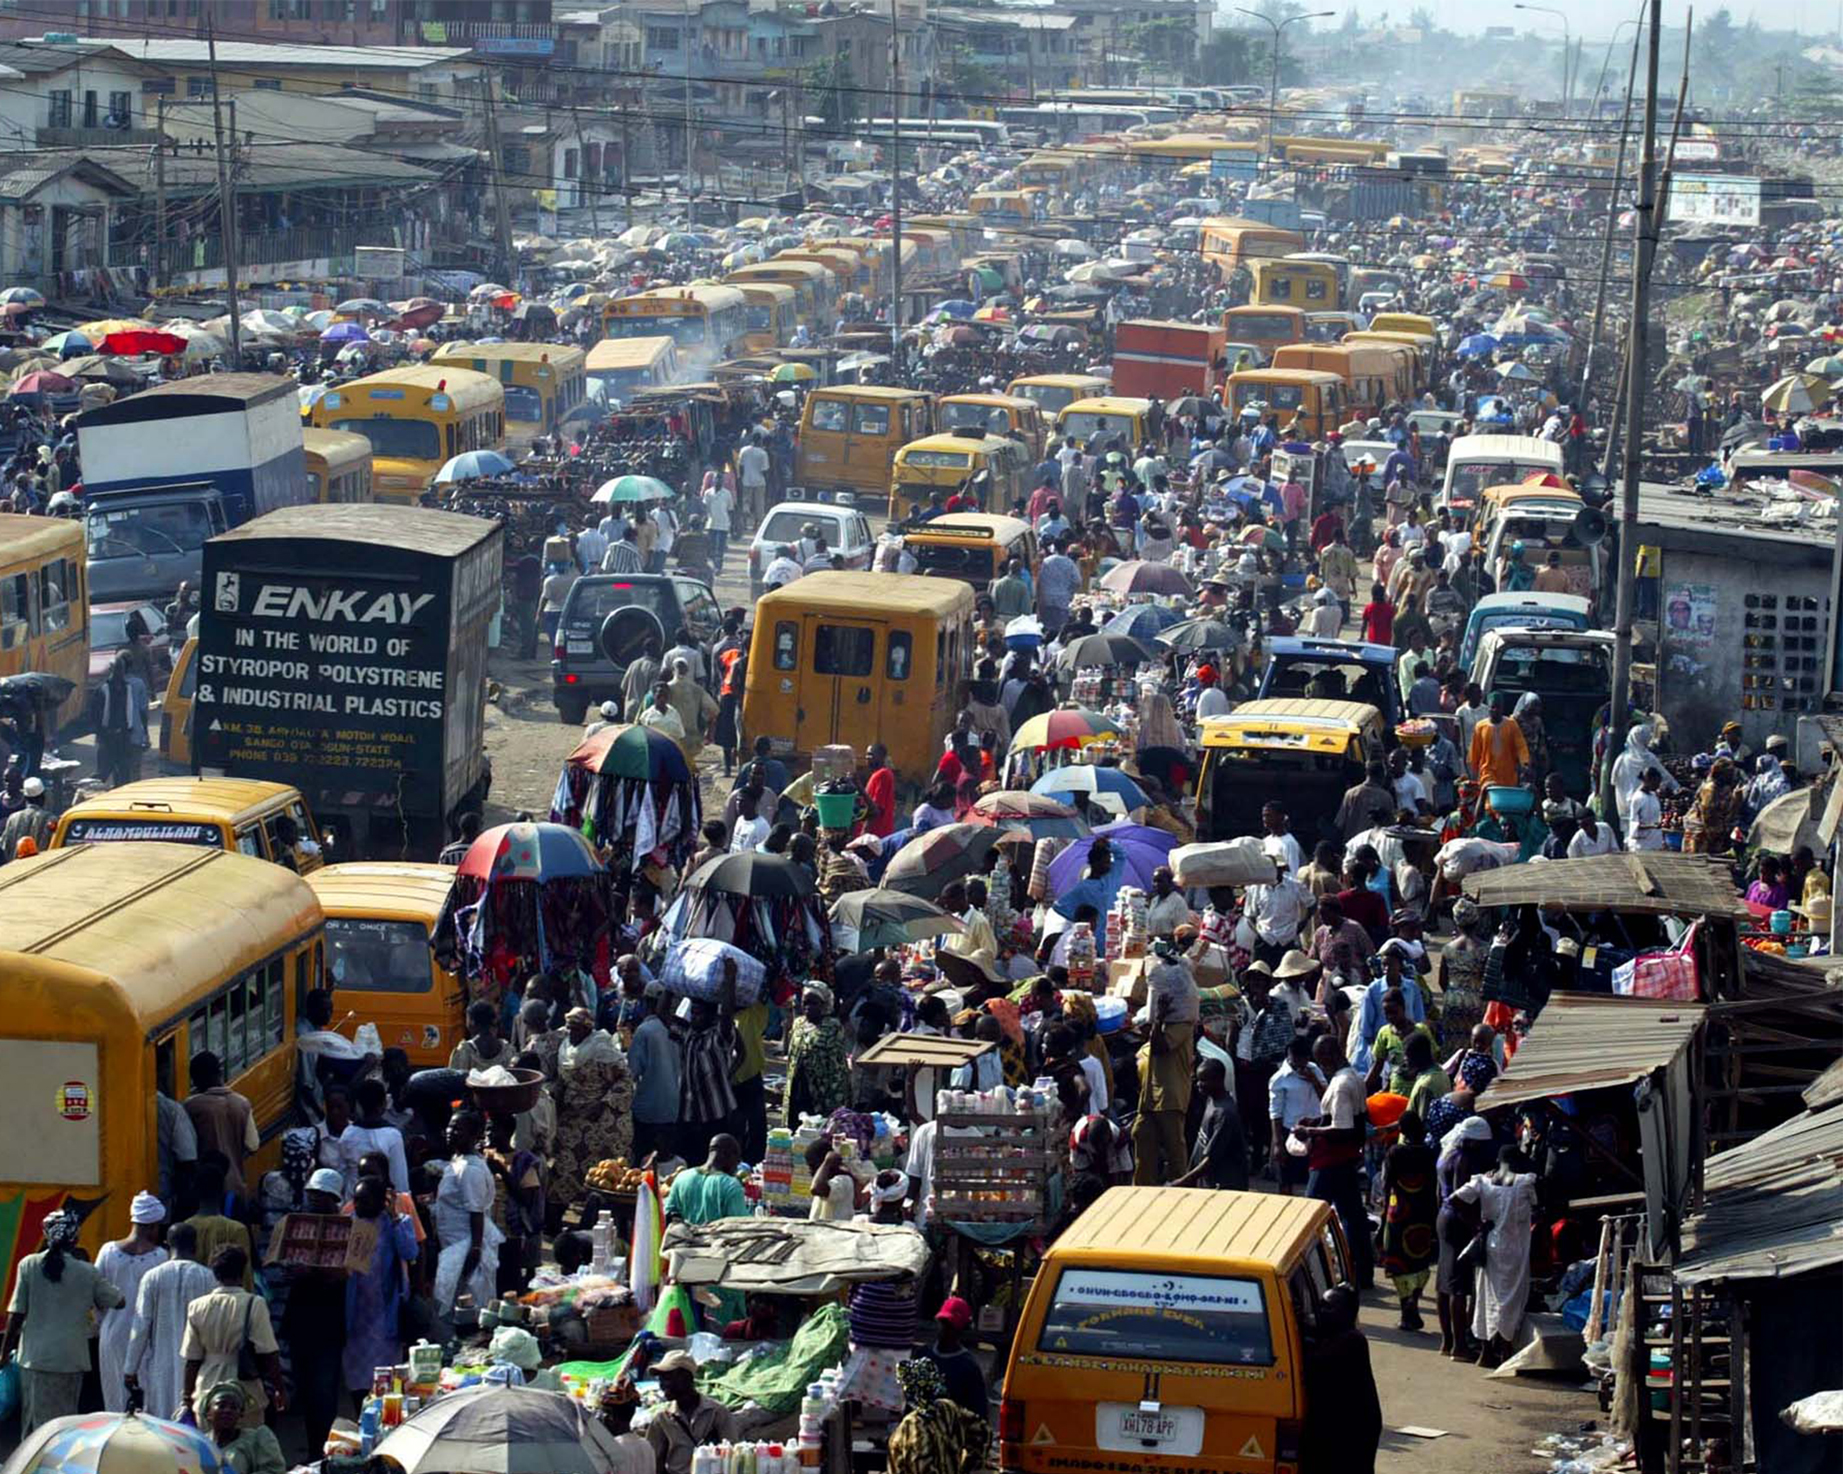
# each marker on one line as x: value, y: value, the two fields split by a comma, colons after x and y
x: 342, y: 649
x: 168, y: 468
x: 1167, y: 359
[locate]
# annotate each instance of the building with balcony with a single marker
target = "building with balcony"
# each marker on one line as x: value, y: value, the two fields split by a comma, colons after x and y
x: 72, y: 94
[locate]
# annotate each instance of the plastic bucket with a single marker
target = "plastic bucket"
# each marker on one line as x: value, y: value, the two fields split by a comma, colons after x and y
x: 835, y: 809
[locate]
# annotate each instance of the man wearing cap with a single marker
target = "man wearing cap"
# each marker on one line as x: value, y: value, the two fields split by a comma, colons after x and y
x: 966, y: 1383
x: 31, y: 820
x: 689, y: 1420
x: 1212, y: 700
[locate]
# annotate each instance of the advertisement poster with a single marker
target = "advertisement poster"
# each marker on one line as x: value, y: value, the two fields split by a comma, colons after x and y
x: 1689, y: 615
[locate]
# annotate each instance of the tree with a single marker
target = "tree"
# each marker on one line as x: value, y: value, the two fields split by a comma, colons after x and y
x: 1227, y: 58
x: 828, y: 81
x: 1169, y: 42
x: 972, y: 80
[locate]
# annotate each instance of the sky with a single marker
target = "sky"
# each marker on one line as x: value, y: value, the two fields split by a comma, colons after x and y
x: 1595, y: 19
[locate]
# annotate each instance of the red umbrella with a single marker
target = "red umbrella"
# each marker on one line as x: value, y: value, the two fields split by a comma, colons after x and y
x: 42, y: 381
x: 142, y: 340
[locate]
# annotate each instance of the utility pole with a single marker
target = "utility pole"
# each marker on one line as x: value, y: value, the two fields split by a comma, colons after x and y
x: 895, y: 190
x: 627, y: 172
x: 502, y: 217
x: 160, y: 193
x: 227, y: 199
x: 582, y: 174
x: 1606, y: 250
x: 1644, y: 247
x: 686, y: 181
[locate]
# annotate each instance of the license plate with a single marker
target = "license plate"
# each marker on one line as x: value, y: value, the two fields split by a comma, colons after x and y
x: 581, y: 647
x: 1126, y: 1427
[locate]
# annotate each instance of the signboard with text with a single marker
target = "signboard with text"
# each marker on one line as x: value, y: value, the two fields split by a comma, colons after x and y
x: 1715, y: 199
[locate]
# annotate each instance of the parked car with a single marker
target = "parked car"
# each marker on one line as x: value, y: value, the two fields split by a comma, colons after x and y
x: 844, y: 528
x: 581, y: 673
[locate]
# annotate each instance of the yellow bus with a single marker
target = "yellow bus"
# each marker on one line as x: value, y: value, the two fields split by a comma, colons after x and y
x: 542, y: 382
x: 772, y: 312
x: 120, y: 964
x: 1233, y: 242
x: 45, y: 603
x: 1056, y: 392
x: 416, y: 419
x: 706, y: 322
x: 850, y: 433
x: 849, y: 272
x: 338, y: 465
x: 1308, y: 285
x: 815, y: 289
x: 619, y: 368
x: 935, y: 252
x: 999, y: 207
x: 1308, y: 402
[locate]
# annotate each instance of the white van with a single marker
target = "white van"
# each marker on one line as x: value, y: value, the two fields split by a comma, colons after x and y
x: 1477, y: 461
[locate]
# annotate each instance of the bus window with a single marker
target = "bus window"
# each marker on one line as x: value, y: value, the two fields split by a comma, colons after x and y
x: 59, y: 581
x: 830, y: 415
x: 524, y: 403
x: 15, y: 610
x: 901, y: 652
x: 844, y: 650
x: 786, y: 645
x: 872, y: 419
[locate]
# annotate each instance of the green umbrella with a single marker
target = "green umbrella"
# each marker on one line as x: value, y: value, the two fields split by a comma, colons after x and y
x: 634, y: 489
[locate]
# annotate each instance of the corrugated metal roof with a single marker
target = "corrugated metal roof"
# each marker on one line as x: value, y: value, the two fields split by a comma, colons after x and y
x: 1772, y: 1208
x: 1590, y: 1041
x: 1657, y: 882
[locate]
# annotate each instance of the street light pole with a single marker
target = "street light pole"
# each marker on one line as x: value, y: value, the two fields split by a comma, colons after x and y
x: 1273, y: 90
x: 1567, y: 51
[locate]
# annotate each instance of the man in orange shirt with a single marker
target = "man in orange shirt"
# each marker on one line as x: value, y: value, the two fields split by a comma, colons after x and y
x: 1498, y: 749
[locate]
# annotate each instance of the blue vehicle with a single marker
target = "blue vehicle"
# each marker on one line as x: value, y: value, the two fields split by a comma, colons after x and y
x: 1333, y: 670
x: 1530, y: 610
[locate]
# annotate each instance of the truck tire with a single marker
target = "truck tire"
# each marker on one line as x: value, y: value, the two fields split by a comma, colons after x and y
x: 573, y: 713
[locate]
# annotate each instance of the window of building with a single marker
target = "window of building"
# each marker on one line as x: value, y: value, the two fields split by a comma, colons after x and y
x: 569, y: 163
x: 198, y: 86
x: 60, y: 109
x: 121, y: 105
x: 267, y: 84
x: 661, y: 38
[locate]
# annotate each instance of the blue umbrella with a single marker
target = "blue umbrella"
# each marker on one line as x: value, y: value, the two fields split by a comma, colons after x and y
x: 345, y: 332
x: 1137, y: 852
x: 1143, y: 621
x: 1479, y: 345
x: 958, y: 307
x: 1085, y: 778
x: 470, y: 465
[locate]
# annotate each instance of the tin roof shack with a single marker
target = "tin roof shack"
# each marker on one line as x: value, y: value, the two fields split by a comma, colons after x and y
x: 1733, y: 605
x: 1753, y: 1324
x: 342, y: 649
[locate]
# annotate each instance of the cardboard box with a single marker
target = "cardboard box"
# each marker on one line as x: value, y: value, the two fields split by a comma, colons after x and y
x: 1126, y: 978
x: 323, y: 1241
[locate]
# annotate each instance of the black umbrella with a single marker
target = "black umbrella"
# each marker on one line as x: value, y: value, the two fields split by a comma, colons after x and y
x: 1743, y: 432
x: 1104, y: 649
x: 1207, y: 633
x: 1190, y: 404
x: 753, y: 873
x: 535, y: 313
x: 48, y: 690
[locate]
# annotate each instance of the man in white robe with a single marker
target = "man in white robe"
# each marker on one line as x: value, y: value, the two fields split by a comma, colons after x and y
x: 167, y: 1290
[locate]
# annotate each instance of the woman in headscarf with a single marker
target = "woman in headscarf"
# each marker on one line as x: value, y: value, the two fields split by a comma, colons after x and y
x: 1461, y: 973
x: 595, y: 1105
x: 1708, y: 827
x: 48, y: 1322
x: 936, y: 1436
x: 818, y: 1076
x: 1506, y: 1202
x: 1158, y: 724
x: 1528, y: 715
x: 375, y: 1293
x: 241, y: 1450
x: 1630, y: 767
x: 468, y: 1263
x: 123, y: 1263
x: 1410, y: 1205
x: 1466, y: 1149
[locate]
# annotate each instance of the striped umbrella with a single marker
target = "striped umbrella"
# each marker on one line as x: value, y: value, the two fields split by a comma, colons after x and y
x: 925, y: 865
x: 116, y: 1443
x: 1068, y: 726
x: 1034, y: 813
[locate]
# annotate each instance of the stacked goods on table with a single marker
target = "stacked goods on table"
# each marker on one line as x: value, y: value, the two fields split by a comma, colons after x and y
x: 1082, y: 957
x: 1127, y: 933
x: 993, y: 1156
x: 778, y: 1169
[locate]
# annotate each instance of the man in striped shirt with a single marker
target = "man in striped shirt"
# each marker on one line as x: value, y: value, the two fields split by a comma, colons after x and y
x: 622, y: 555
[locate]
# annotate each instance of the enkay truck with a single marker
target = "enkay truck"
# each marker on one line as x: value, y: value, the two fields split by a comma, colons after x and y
x: 342, y: 649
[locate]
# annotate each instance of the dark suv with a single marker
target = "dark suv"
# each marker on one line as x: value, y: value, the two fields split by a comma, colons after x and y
x: 582, y: 676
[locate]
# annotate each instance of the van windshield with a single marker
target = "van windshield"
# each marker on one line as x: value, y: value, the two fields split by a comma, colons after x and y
x: 148, y: 530
x: 1194, y: 1318
x: 377, y: 956
x: 1051, y: 397
x: 407, y: 440
x: 1084, y: 425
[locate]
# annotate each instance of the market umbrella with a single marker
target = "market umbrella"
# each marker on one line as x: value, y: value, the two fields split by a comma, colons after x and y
x: 925, y: 865
x: 103, y: 326
x: 470, y: 465
x: 1043, y: 817
x: 957, y: 307
x: 142, y: 340
x: 633, y: 752
x: 1509, y: 281
x: 1521, y: 372
x: 1786, y: 823
x: 362, y: 306
x: 1137, y: 852
x: 888, y: 918
x: 1830, y: 366
x: 1074, y: 250
x: 41, y: 381
x: 503, y: 1430
x: 345, y: 332
x: 753, y: 873
x: 1796, y: 394
x: 24, y: 296
x: 793, y: 373
x: 630, y: 789
x: 528, y: 852
x: 1478, y: 345
x: 1088, y: 778
x: 1207, y: 633
x: 68, y: 344
x: 1067, y: 726
x: 115, y: 1443
x: 1140, y: 577
x: 1104, y: 649
x: 95, y: 366
x: 1143, y: 621
x: 634, y: 489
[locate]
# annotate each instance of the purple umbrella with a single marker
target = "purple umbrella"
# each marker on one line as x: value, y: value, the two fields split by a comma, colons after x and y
x: 345, y: 332
x: 1137, y: 851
